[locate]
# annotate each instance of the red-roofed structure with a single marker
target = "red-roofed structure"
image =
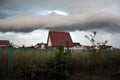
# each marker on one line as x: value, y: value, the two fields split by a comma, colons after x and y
x: 56, y: 38
x: 87, y: 46
x: 4, y: 43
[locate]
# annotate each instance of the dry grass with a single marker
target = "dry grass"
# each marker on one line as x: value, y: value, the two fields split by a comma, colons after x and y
x: 3, y: 62
x: 85, y: 66
x: 89, y: 67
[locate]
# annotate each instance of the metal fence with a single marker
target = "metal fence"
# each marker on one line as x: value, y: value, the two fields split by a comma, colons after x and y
x: 13, y: 51
x: 18, y: 56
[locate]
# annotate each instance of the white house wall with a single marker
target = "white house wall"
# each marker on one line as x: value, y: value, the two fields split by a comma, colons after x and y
x: 49, y: 42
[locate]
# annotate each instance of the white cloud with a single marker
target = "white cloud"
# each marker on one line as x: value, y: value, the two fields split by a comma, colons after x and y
x: 27, y: 39
x: 39, y: 36
x: 113, y: 39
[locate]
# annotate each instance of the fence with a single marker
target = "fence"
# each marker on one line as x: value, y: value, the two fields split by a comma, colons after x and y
x: 13, y: 51
x: 30, y: 54
x: 17, y: 59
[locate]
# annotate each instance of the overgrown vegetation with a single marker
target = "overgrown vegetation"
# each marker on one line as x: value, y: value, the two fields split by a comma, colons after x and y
x: 96, y: 49
x: 33, y: 61
x: 32, y: 69
x: 59, y: 67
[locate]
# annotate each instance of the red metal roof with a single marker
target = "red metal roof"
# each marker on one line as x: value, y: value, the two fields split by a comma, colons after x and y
x: 4, y: 42
x: 60, y: 38
x: 86, y: 46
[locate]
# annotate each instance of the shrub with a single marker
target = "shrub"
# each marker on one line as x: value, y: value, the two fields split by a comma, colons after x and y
x: 32, y: 69
x: 58, y: 67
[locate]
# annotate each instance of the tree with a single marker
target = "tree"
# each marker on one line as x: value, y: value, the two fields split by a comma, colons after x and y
x: 96, y: 46
x: 11, y: 45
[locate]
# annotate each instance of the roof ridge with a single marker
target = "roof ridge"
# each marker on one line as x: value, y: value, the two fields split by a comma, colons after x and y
x: 59, y: 31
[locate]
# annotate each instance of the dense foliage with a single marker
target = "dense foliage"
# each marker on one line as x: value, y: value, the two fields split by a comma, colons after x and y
x: 59, y: 67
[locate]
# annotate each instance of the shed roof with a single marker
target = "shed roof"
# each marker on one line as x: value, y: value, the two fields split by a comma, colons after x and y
x: 4, y: 42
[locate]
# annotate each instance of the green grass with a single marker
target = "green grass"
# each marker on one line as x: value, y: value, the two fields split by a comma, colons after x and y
x: 85, y: 66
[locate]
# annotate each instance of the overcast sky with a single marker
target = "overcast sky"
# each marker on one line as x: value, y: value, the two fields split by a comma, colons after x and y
x: 26, y: 21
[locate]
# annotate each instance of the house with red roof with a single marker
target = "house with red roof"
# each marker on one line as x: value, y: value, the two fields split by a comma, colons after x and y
x: 56, y: 39
x: 4, y: 43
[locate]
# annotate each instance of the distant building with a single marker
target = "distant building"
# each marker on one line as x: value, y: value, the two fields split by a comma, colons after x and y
x: 87, y: 46
x: 4, y: 43
x: 40, y: 45
x: 109, y: 47
x: 59, y: 38
x: 105, y: 47
x: 77, y: 45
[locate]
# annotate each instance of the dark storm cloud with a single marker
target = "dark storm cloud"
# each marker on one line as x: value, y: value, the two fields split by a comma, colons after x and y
x: 23, y: 5
x: 28, y: 15
x: 14, y: 15
x: 70, y: 6
x: 109, y: 22
x: 3, y: 15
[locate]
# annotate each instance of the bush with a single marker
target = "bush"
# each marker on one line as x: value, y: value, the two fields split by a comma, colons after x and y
x: 32, y: 69
x: 59, y: 67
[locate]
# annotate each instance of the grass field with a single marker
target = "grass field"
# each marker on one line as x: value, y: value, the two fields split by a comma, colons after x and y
x: 84, y: 65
